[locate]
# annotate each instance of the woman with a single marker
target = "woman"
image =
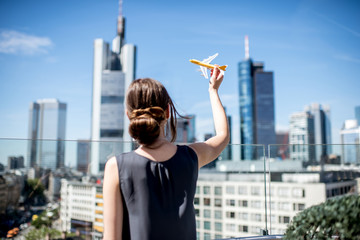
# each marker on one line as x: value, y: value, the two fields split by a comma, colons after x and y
x: 149, y: 193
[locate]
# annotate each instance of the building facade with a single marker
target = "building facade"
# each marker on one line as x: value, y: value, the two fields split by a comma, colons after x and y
x: 114, y: 70
x: 350, y: 138
x: 234, y: 204
x: 322, y: 129
x: 83, y: 155
x: 256, y: 101
x: 185, y: 129
x: 301, y: 134
x: 47, y: 125
x: 15, y: 162
x: 81, y: 208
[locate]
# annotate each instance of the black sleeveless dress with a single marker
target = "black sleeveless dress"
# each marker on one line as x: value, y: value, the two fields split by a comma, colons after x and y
x: 158, y: 196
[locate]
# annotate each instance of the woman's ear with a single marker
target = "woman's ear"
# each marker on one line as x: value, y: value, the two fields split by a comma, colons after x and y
x: 127, y: 113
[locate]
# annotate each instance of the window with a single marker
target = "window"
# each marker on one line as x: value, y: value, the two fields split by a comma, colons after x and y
x: 207, y: 236
x: 284, y: 219
x: 197, y: 189
x: 218, y: 226
x: 196, y: 201
x: 256, y: 217
x: 197, y: 212
x: 255, y: 204
x: 230, y: 202
x: 207, y: 213
x: 243, y: 215
x: 243, y: 203
x: 230, y: 227
x: 284, y: 206
x: 218, y: 214
x: 242, y: 190
x: 217, y: 202
x: 197, y: 224
x: 218, y: 190
x: 206, y: 190
x: 207, y: 225
x: 230, y: 214
x: 230, y: 189
x: 207, y: 201
x: 297, y: 192
x: 243, y: 228
x: 283, y: 192
x: 301, y: 206
x: 255, y: 191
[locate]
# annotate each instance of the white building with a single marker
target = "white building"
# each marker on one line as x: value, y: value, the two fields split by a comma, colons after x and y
x: 350, y: 137
x: 301, y: 133
x: 81, y: 208
x: 233, y: 204
x: 114, y: 70
x: 47, y: 120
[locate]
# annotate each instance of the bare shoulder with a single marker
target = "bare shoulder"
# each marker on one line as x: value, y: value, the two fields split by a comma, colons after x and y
x: 111, y: 163
x: 111, y: 169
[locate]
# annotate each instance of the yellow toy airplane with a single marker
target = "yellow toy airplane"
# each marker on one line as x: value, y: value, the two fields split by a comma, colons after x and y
x: 205, y: 64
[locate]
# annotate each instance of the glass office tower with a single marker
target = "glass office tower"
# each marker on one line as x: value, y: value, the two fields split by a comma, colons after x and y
x: 256, y: 100
x: 47, y: 120
x: 114, y: 70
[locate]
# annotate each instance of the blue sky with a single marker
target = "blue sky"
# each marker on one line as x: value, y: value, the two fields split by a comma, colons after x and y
x: 313, y: 47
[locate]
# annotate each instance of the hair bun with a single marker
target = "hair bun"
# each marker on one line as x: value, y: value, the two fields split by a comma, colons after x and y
x: 145, y: 124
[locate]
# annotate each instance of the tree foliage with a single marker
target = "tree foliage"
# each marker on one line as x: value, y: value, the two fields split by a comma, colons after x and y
x: 337, y: 218
x: 38, y: 234
x: 34, y: 191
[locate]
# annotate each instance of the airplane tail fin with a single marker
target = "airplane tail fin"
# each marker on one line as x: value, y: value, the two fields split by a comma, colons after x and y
x: 223, y: 67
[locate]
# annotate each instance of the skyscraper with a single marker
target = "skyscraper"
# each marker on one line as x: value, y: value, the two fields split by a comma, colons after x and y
x: 357, y: 114
x: 301, y: 134
x: 256, y: 96
x: 350, y: 138
x: 322, y: 129
x: 114, y: 70
x: 83, y: 155
x: 47, y: 120
x: 185, y: 130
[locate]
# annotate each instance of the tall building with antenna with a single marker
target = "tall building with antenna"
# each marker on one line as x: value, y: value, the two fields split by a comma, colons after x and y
x: 256, y: 101
x: 114, y: 70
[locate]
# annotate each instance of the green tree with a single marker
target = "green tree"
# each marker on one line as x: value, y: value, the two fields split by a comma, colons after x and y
x: 34, y: 192
x: 39, y: 234
x: 337, y: 217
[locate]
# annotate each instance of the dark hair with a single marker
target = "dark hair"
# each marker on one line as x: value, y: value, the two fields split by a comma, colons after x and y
x: 147, y: 101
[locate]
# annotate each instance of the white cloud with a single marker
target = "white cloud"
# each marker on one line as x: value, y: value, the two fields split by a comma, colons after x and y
x: 13, y: 42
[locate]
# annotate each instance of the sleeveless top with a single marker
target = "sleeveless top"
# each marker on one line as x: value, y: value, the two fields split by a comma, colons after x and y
x: 158, y: 197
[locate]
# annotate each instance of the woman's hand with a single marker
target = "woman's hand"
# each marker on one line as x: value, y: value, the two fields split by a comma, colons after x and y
x: 216, y: 79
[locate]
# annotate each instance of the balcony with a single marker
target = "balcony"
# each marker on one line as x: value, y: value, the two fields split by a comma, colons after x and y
x: 247, y: 192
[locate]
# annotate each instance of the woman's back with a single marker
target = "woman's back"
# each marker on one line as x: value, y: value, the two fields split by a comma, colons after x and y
x: 158, y: 195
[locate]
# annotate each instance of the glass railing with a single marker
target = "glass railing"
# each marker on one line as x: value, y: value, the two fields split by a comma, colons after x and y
x: 249, y: 190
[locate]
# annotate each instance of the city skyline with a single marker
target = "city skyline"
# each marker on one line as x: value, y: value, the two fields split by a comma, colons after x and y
x: 312, y: 48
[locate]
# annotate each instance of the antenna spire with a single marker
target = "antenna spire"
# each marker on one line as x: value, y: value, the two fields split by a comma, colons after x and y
x: 120, y: 8
x: 120, y: 21
x: 247, y: 55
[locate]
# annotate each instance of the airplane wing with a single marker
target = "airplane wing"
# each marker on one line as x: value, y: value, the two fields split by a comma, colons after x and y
x: 209, y: 59
x: 204, y: 71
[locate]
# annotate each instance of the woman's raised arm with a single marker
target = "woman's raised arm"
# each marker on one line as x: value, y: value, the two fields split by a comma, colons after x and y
x: 209, y: 150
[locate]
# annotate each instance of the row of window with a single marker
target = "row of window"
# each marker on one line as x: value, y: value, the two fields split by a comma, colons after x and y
x: 256, y: 217
x: 254, y: 191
